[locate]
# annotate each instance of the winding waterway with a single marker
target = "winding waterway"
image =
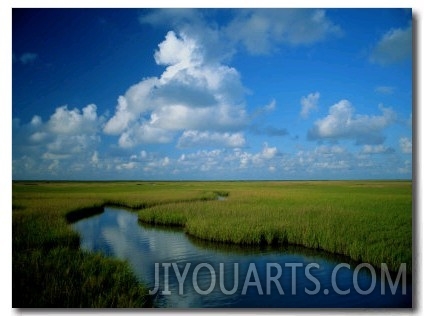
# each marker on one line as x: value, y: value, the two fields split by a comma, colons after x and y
x: 185, y: 272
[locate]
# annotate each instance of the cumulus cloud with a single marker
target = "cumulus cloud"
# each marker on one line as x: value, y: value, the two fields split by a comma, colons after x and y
x: 65, y: 121
x: 406, y: 145
x: 95, y: 158
x: 309, y: 103
x: 38, y: 137
x: 316, y: 162
x: 66, y: 139
x: 156, y: 165
x: 324, y: 161
x: 144, y: 134
x: 197, y: 23
x: 406, y: 168
x: 126, y: 165
x: 394, y: 46
x: 343, y: 123
x: 268, y: 152
x: 261, y: 158
x: 320, y: 159
x: 141, y: 156
x: 191, y: 94
x: 205, y: 139
x: 36, y: 121
x: 226, y: 161
x: 261, y: 30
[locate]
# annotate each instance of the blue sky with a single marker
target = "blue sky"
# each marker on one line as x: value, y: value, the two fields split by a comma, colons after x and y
x: 211, y: 94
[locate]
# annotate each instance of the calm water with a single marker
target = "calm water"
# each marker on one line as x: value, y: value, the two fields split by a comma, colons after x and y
x: 266, y: 277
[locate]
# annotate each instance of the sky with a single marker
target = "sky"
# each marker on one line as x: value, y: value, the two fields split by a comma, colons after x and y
x: 211, y: 94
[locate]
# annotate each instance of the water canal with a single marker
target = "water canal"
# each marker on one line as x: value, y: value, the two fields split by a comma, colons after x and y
x: 186, y: 272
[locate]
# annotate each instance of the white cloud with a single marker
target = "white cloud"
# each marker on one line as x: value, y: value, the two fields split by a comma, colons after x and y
x: 72, y: 144
x: 206, y: 158
x: 227, y: 161
x: 165, y: 161
x: 405, y: 145
x: 130, y: 106
x: 268, y: 152
x: 261, y: 30
x: 259, y: 159
x: 64, y: 121
x: 178, y: 52
x: 95, y: 158
x: 271, y: 106
x: 54, y: 166
x: 157, y: 165
x: 120, y: 120
x: 199, y: 101
x: 126, y: 166
x: 371, y: 162
x: 376, y: 149
x: 144, y: 133
x: 196, y: 23
x: 406, y: 168
x: 125, y: 140
x: 204, y: 139
x: 38, y: 136
x: 318, y: 160
x: 309, y: 103
x: 66, y: 142
x: 343, y: 123
x: 394, y: 46
x: 36, y: 121
x: 191, y: 94
x: 67, y: 131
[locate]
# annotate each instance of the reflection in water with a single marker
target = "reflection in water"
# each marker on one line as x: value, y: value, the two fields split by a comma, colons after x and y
x: 117, y: 233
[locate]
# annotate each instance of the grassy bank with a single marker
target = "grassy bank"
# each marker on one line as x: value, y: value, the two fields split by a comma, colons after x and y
x: 368, y: 221
x: 49, y: 269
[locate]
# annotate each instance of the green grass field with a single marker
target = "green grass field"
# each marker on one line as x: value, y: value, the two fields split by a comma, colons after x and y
x: 369, y: 221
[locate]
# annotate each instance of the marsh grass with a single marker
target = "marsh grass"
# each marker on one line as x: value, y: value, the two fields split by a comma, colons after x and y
x: 369, y: 221
x: 65, y: 277
x: 49, y: 269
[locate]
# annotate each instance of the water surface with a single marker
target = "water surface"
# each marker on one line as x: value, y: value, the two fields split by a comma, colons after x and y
x: 304, y: 278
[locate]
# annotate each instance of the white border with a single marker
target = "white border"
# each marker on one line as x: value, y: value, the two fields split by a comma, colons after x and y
x: 424, y: 104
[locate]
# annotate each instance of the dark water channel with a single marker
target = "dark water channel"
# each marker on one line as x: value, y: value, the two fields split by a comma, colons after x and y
x: 187, y: 271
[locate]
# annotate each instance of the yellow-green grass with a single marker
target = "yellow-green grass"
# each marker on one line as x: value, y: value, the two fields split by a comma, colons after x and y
x: 370, y: 221
x: 49, y: 269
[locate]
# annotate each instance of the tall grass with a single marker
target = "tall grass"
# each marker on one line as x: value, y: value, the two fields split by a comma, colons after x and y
x: 370, y: 221
x: 49, y: 270
x: 65, y: 277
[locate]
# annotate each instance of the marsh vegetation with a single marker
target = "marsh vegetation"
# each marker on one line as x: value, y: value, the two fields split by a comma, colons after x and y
x: 369, y: 221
